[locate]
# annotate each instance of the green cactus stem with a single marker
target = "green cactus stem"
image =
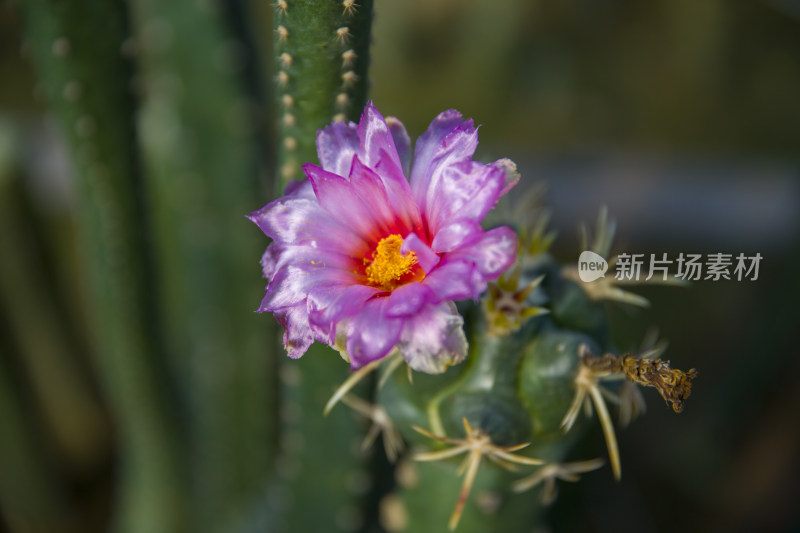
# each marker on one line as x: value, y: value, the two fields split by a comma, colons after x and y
x: 76, y: 48
x: 321, y: 53
x: 321, y: 462
x: 29, y: 499
x: 71, y: 412
x: 199, y: 144
x: 321, y: 59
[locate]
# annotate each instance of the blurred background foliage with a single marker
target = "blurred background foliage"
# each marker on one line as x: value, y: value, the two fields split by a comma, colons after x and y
x: 682, y: 116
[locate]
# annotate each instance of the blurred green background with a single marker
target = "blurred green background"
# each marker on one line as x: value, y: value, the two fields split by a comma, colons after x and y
x: 682, y: 116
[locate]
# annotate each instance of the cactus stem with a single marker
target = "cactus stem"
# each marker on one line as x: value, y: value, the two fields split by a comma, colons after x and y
x: 321, y: 58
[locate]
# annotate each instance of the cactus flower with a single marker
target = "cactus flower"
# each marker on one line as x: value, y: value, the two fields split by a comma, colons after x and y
x: 370, y: 252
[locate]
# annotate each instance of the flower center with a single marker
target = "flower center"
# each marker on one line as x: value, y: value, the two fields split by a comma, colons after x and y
x: 387, y: 265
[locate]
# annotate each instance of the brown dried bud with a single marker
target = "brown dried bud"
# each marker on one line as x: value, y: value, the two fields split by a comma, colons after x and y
x: 674, y: 385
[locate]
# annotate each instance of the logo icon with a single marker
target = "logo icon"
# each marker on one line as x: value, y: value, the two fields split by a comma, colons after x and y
x: 591, y: 266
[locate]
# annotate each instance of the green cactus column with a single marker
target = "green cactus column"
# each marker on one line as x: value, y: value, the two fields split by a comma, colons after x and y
x: 320, y: 70
x: 201, y: 155
x: 77, y: 47
x: 321, y: 60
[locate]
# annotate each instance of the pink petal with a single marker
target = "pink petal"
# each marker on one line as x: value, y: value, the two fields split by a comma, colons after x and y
x: 371, y: 334
x: 402, y: 142
x: 336, y: 146
x: 328, y: 306
x: 338, y: 197
x: 492, y: 254
x: 455, y: 280
x: 302, y: 221
x: 269, y: 261
x: 448, y: 140
x: 310, y: 259
x: 400, y: 196
x: 433, y: 339
x: 372, y: 191
x: 427, y: 258
x: 408, y: 299
x: 464, y: 190
x: 376, y: 139
x: 297, y: 335
x: 290, y: 285
x: 455, y: 234
x: 380, y: 153
x: 300, y: 189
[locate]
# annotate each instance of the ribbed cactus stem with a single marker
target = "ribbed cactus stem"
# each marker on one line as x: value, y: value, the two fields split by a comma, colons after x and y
x: 77, y: 48
x: 29, y: 499
x: 70, y: 411
x: 321, y: 59
x: 321, y: 463
x: 199, y: 145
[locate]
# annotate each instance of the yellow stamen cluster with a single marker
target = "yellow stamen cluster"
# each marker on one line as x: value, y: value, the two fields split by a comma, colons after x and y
x: 387, y: 265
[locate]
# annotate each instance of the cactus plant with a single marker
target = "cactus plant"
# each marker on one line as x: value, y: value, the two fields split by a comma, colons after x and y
x: 216, y: 432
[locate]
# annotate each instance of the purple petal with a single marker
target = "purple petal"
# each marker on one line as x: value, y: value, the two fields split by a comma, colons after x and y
x: 456, y: 234
x: 300, y: 189
x: 372, y: 191
x: 465, y: 190
x: 302, y: 221
x: 427, y: 258
x: 448, y: 140
x: 338, y: 197
x: 455, y: 280
x: 408, y: 299
x: 376, y: 139
x: 336, y: 146
x: 402, y: 143
x: 269, y: 261
x: 492, y: 254
x: 371, y: 334
x: 297, y: 335
x: 290, y: 285
x: 400, y: 196
x: 311, y: 259
x: 433, y: 339
x: 329, y: 305
x: 379, y: 152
